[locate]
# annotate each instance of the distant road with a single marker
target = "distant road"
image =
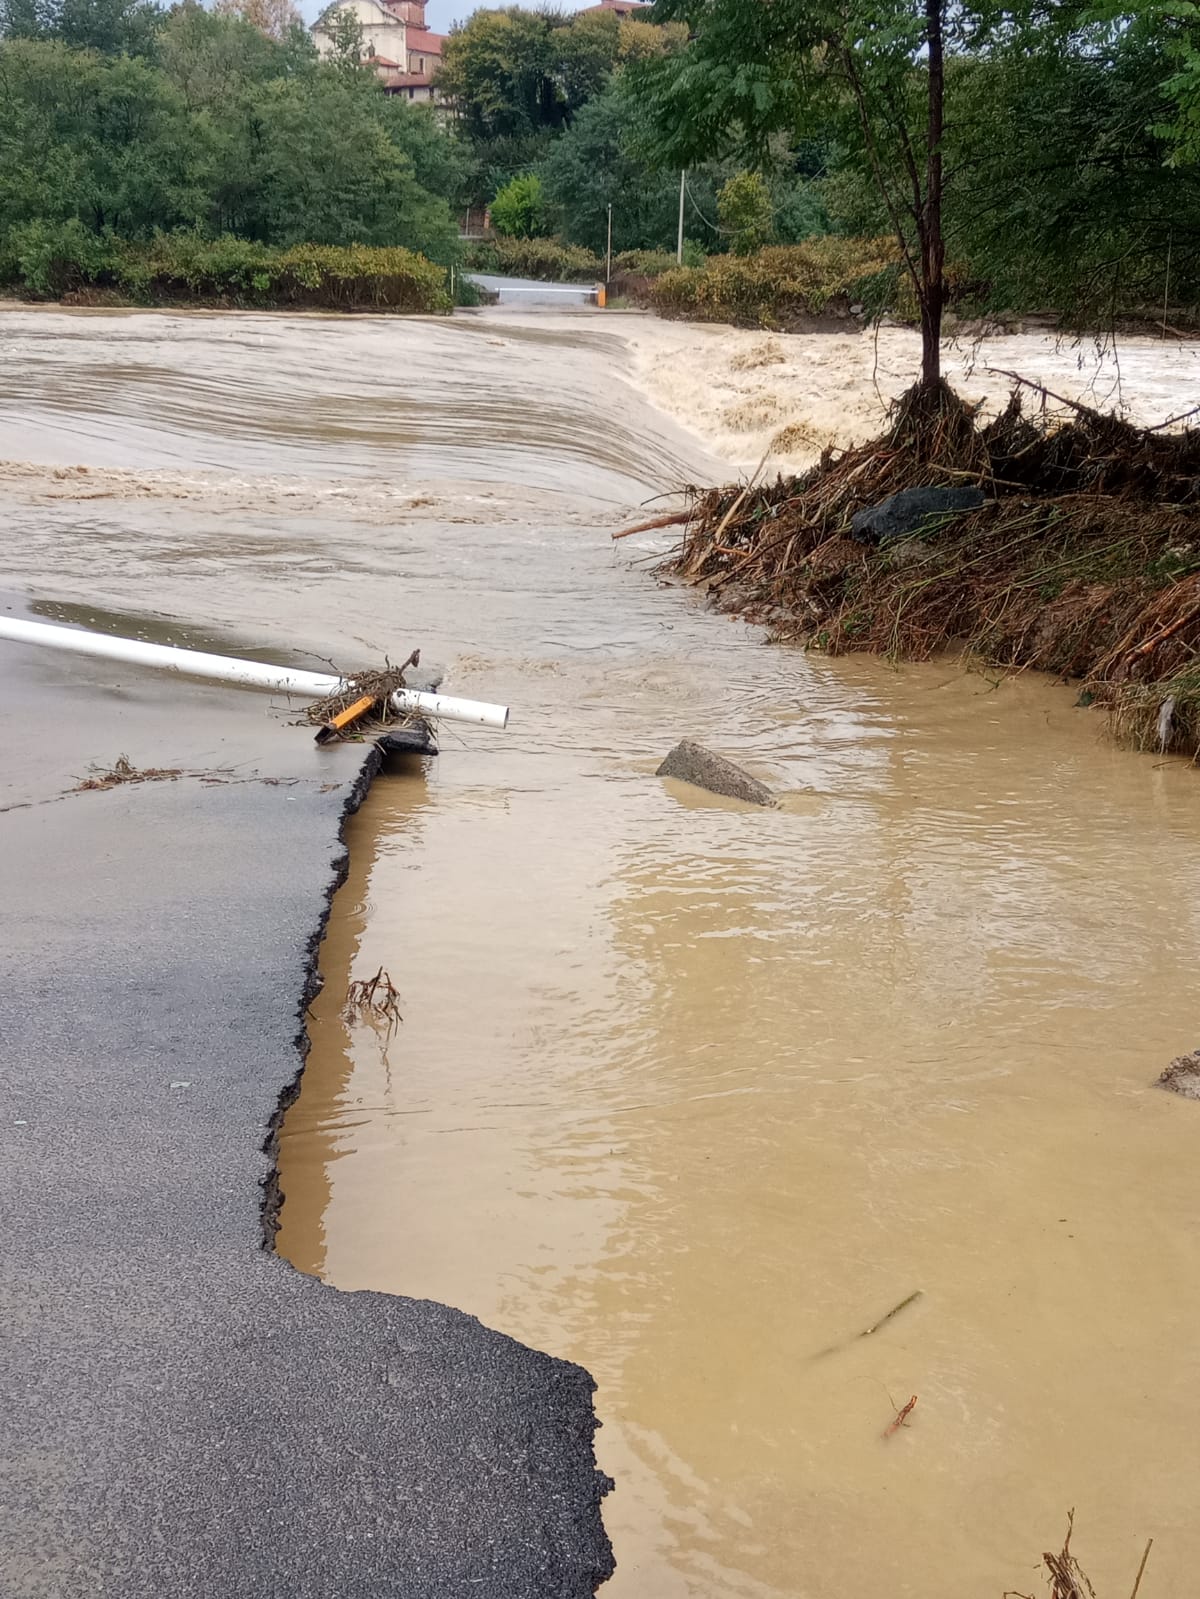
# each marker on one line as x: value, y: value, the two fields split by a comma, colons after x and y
x: 528, y: 291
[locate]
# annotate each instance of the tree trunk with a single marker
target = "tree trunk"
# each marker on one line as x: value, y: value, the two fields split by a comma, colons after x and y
x: 933, y: 245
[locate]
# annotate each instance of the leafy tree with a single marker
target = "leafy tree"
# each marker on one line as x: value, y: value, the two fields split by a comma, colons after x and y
x: 102, y: 141
x: 1033, y: 142
x: 319, y: 159
x: 1069, y: 192
x: 746, y: 213
x: 114, y: 27
x: 514, y: 73
x: 491, y: 163
x: 583, y: 53
x: 22, y: 19
x: 609, y: 155
x: 346, y: 33
x: 1181, y: 126
x: 751, y: 71
x: 1172, y: 29
x: 647, y: 41
x: 522, y: 211
x: 275, y: 19
x: 212, y: 58
x: 229, y: 132
x: 801, y: 211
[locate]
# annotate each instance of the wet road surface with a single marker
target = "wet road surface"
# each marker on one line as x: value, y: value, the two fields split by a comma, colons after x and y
x: 184, y: 1413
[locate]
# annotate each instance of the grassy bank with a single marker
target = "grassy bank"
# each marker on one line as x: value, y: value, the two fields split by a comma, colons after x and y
x: 547, y: 260
x: 1082, y: 559
x: 552, y: 261
x: 67, y: 264
x: 784, y: 286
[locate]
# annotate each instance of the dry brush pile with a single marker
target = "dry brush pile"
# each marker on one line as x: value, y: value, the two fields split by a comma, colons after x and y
x: 1083, y: 559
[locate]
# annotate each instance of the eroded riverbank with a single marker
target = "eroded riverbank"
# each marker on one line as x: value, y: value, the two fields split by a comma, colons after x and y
x: 684, y: 1093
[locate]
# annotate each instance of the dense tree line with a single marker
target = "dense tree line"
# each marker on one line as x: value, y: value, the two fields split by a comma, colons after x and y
x: 1062, y: 172
x: 1062, y: 169
x: 1037, y: 155
x: 123, y: 120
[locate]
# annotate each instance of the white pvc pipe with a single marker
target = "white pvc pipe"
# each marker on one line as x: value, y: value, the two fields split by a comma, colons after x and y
x: 450, y: 709
x: 192, y: 663
x: 229, y: 669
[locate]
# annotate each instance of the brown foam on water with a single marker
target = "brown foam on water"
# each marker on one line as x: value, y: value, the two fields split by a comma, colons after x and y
x: 747, y: 393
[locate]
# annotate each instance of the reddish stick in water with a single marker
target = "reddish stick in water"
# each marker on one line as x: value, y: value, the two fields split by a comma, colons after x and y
x: 901, y: 1417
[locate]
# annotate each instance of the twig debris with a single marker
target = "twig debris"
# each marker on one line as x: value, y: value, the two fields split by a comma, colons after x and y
x: 901, y: 1417
x: 910, y: 1299
x: 374, y: 996
x: 123, y: 771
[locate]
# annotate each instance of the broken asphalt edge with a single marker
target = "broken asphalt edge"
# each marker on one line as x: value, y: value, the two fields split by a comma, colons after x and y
x: 273, y: 1196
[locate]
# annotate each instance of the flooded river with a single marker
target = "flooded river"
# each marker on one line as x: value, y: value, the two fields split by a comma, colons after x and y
x: 689, y: 1093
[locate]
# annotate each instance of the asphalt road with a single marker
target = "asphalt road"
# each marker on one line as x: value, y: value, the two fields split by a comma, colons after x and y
x: 532, y: 291
x: 182, y: 1413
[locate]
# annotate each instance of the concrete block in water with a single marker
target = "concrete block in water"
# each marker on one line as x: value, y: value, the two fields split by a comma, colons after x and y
x: 692, y: 763
x: 909, y: 510
x: 1182, y: 1076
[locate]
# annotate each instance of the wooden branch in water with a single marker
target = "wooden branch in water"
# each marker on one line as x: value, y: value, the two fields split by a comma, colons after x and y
x: 873, y: 1328
x: 1049, y: 394
x: 1137, y: 1581
x: 672, y: 519
x: 902, y: 1416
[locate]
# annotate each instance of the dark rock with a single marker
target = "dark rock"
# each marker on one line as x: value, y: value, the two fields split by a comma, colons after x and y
x: 692, y: 763
x: 416, y: 740
x: 1182, y: 1076
x: 909, y: 511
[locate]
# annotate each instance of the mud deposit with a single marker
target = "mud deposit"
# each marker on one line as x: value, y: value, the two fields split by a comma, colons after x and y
x: 686, y: 1092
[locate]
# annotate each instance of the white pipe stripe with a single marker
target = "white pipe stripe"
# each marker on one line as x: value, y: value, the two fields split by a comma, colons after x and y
x: 229, y: 669
x: 192, y: 663
x: 448, y: 709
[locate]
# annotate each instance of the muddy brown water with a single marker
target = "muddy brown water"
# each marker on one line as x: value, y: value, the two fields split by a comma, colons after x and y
x: 690, y: 1093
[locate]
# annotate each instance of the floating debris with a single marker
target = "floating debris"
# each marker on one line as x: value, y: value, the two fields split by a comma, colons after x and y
x: 901, y: 1418
x: 363, y: 701
x: 873, y: 1328
x: 1182, y: 1076
x: 1080, y: 554
x: 375, y: 997
x: 123, y: 771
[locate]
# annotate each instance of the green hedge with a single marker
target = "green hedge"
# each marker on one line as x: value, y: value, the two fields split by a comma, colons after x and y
x: 548, y: 260
x: 783, y: 285
x: 48, y: 261
x: 653, y: 263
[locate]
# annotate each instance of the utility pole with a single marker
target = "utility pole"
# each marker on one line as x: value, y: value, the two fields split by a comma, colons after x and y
x: 608, y: 252
x: 682, y: 192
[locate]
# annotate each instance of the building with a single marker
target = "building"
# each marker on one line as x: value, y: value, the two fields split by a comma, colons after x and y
x: 396, y: 43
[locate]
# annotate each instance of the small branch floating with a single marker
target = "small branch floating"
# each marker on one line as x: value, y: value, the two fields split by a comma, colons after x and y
x: 248, y: 674
x: 901, y: 1418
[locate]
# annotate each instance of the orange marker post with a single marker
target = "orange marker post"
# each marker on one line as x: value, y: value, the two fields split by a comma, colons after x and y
x: 345, y: 719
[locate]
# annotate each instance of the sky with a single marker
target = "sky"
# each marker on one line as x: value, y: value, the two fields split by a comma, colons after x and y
x: 441, y: 13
